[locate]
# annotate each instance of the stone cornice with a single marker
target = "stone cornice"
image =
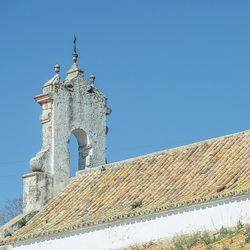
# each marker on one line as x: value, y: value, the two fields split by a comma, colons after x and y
x: 43, y: 98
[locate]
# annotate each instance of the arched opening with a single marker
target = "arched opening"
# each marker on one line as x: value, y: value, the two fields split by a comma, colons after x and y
x: 79, y: 150
x: 73, y: 153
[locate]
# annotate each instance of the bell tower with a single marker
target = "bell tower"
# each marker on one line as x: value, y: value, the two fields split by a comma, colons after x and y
x: 70, y: 106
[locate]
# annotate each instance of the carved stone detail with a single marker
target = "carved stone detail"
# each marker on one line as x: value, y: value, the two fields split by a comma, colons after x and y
x: 40, y: 161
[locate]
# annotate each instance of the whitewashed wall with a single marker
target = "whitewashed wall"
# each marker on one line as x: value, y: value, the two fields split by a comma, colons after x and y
x: 208, y: 216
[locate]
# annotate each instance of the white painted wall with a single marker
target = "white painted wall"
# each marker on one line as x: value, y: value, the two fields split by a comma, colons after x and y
x: 208, y: 216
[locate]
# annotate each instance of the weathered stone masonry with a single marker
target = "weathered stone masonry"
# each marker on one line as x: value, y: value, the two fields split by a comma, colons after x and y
x: 68, y: 106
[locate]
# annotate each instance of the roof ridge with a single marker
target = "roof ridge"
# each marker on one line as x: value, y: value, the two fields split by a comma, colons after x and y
x: 117, y: 164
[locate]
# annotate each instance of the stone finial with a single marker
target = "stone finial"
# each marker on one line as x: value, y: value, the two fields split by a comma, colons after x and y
x: 57, y: 68
x: 75, y: 70
x: 55, y: 80
x: 75, y: 55
x: 92, y: 80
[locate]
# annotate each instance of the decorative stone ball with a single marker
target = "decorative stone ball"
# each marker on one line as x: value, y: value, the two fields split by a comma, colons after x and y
x: 34, y: 165
x: 57, y: 68
x: 92, y: 78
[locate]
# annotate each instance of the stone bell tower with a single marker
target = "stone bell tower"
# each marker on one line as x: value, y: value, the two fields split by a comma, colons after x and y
x: 76, y: 106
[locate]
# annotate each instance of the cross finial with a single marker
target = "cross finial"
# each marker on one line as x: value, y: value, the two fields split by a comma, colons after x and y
x: 74, y: 43
x: 75, y: 55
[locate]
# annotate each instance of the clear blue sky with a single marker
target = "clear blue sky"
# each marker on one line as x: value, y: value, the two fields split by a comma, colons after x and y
x: 174, y: 72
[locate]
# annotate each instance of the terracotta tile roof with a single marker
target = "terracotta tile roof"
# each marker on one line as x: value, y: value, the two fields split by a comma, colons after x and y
x: 178, y: 177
